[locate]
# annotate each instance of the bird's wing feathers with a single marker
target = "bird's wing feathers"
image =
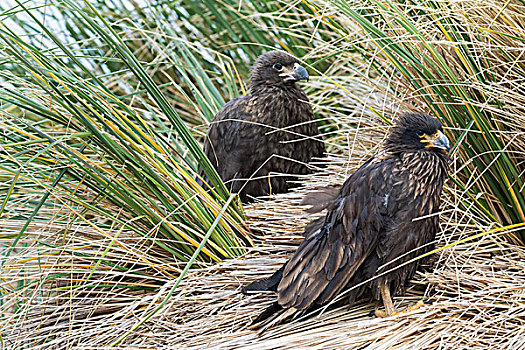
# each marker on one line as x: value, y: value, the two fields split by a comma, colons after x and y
x: 321, y: 198
x: 233, y: 119
x: 327, y: 259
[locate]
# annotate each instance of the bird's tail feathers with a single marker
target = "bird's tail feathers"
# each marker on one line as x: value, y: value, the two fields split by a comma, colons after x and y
x: 265, y: 284
x: 270, y: 317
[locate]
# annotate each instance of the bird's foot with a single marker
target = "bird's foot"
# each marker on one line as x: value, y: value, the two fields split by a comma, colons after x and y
x: 409, y: 308
x: 380, y: 313
x: 413, y: 307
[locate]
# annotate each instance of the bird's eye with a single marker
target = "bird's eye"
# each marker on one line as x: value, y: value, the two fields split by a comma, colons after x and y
x: 278, y: 66
x: 420, y: 133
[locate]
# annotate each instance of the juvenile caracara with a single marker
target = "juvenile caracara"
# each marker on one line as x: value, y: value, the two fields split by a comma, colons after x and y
x: 258, y: 142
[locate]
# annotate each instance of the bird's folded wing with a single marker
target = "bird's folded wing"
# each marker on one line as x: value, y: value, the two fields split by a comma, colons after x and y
x: 235, y: 136
x: 323, y: 265
x: 327, y: 259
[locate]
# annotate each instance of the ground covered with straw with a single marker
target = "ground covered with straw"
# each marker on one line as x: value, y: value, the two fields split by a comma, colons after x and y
x: 101, y: 122
x: 476, y: 290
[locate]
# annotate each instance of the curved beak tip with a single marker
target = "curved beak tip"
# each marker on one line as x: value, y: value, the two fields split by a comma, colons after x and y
x: 441, y: 142
x: 301, y: 73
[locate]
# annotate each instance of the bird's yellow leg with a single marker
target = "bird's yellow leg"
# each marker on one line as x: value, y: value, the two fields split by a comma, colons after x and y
x: 412, y: 307
x: 387, y: 301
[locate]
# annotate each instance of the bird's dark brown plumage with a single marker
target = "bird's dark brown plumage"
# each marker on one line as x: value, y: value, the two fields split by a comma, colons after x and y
x: 369, y: 223
x: 271, y: 131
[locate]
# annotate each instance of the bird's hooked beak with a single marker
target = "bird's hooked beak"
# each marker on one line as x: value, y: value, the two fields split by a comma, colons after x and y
x: 437, y: 140
x: 297, y: 73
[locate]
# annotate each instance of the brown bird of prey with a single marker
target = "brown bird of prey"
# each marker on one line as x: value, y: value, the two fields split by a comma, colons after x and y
x: 259, y: 141
x: 384, y: 215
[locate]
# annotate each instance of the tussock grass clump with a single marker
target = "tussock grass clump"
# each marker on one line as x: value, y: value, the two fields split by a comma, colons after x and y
x: 463, y: 60
x: 102, y: 109
x: 98, y: 168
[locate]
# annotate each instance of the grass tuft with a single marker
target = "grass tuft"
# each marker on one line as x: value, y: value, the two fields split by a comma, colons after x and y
x: 102, y: 109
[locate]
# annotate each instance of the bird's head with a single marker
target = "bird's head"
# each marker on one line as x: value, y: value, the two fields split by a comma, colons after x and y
x: 276, y: 68
x: 417, y: 132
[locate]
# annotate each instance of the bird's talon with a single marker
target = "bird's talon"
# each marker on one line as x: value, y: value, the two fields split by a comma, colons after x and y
x: 380, y: 314
x: 414, y: 307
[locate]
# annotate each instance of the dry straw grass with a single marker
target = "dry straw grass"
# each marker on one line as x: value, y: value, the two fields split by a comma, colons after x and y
x: 476, y: 288
x: 476, y: 291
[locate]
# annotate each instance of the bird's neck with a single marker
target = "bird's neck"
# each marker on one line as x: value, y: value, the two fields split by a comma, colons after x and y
x: 426, y: 167
x: 428, y: 170
x: 278, y: 90
x: 425, y: 163
x: 286, y: 104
